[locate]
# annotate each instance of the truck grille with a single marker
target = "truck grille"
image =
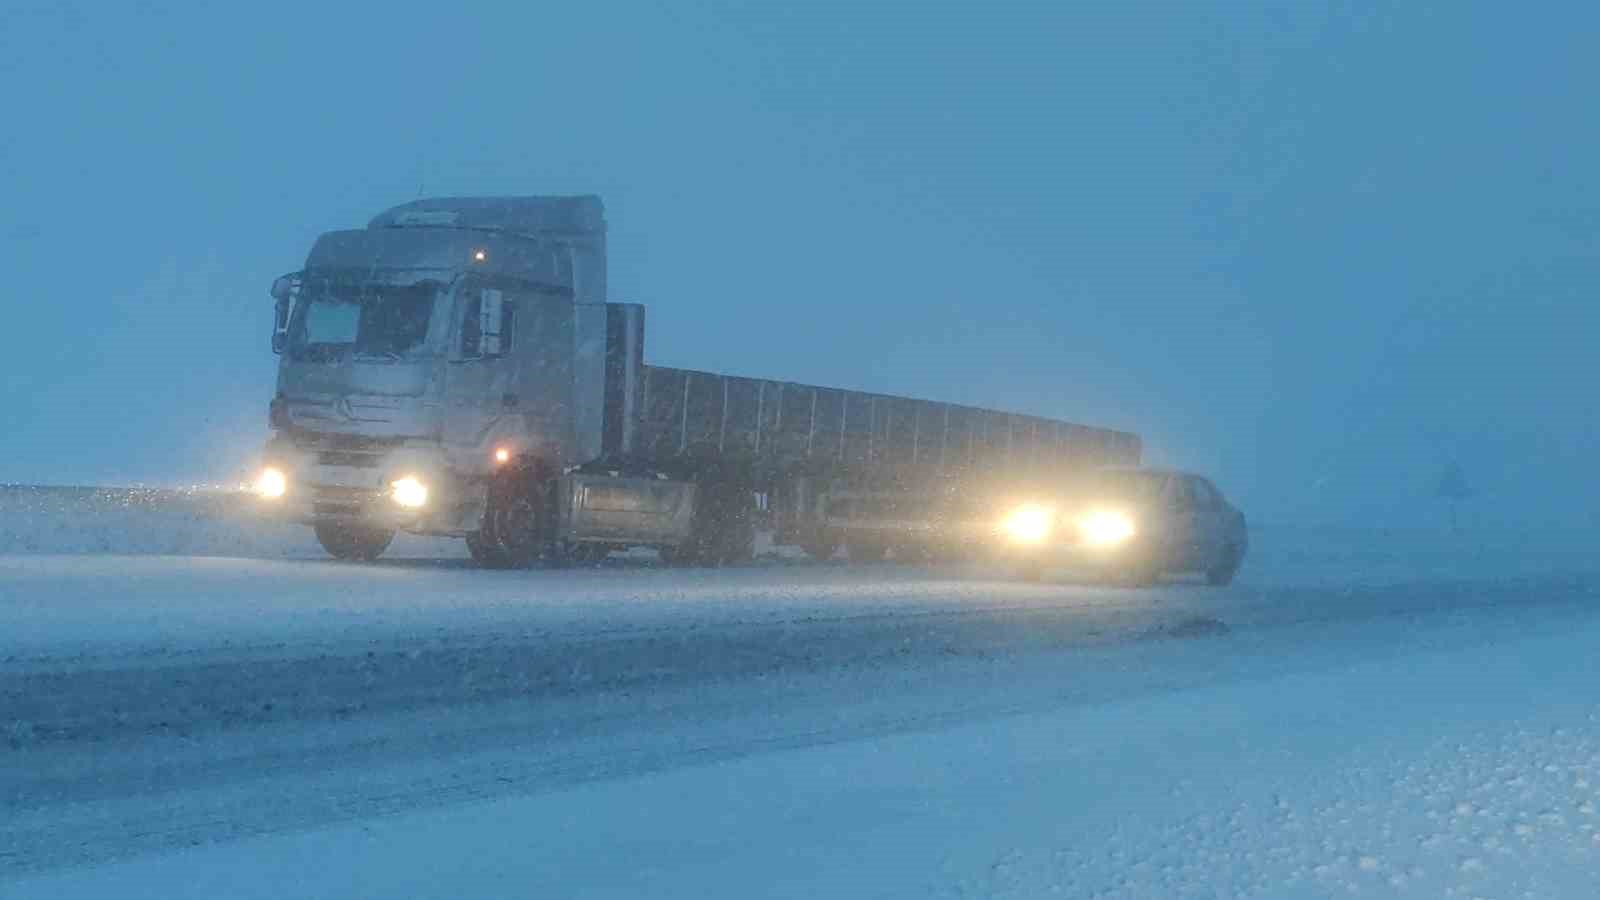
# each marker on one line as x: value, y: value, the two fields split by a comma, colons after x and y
x: 345, y: 450
x: 353, y: 458
x: 339, y: 501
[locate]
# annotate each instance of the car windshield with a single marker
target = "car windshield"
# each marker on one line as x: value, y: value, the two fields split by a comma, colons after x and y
x: 368, y: 320
x: 1128, y: 487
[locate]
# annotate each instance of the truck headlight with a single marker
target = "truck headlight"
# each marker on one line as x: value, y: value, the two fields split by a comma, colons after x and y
x: 1029, y: 523
x: 409, y: 492
x: 271, y: 483
x: 1106, y: 528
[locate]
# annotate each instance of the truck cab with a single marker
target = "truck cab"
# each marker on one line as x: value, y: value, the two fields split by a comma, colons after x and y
x: 442, y: 368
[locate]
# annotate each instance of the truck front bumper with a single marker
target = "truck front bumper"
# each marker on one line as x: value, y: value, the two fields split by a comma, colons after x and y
x: 315, y: 492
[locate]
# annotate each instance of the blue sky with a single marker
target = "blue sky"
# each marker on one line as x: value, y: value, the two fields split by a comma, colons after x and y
x: 1317, y: 250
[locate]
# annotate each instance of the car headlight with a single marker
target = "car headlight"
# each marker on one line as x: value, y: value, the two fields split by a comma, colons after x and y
x: 271, y: 483
x: 1106, y: 528
x: 409, y: 491
x: 1029, y: 523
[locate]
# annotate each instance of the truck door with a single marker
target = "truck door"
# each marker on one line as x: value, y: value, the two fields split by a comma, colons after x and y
x: 1211, y: 520
x: 1200, y: 516
x: 481, y: 386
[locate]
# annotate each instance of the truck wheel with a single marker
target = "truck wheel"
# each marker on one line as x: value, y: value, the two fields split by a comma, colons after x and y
x: 353, y: 542
x: 1226, y: 566
x: 515, y: 524
x: 519, y: 525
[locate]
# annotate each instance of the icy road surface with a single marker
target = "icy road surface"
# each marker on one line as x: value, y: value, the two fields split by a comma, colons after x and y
x: 210, y: 726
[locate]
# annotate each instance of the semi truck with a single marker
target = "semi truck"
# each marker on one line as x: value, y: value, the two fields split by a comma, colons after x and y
x: 457, y: 368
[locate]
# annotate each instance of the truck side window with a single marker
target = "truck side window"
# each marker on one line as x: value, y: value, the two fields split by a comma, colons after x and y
x: 472, y: 327
x: 508, y: 326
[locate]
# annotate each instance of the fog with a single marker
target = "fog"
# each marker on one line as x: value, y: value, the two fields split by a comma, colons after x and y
x: 1320, y: 252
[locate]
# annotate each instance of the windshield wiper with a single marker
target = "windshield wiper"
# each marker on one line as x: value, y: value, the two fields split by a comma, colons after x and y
x: 389, y: 355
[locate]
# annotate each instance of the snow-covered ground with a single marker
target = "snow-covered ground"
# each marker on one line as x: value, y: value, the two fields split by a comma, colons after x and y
x: 1439, y: 773
x: 192, y: 704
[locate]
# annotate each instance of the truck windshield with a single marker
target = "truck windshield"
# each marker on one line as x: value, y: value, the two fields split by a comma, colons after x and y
x: 335, y: 319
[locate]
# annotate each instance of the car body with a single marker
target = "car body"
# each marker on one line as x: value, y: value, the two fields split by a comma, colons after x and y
x: 1133, y: 525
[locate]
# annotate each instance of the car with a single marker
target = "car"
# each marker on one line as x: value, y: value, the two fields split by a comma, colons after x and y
x: 1132, y: 525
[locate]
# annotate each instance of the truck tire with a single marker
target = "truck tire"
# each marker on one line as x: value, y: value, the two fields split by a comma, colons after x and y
x: 1227, y: 565
x: 353, y: 542
x: 515, y: 523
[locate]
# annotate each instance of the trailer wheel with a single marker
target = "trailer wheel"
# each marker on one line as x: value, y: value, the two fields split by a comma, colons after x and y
x: 353, y: 542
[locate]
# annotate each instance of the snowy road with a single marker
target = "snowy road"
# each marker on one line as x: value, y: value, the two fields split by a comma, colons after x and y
x: 172, y: 716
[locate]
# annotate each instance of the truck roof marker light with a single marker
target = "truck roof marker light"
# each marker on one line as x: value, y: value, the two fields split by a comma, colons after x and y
x: 480, y: 256
x: 502, y: 455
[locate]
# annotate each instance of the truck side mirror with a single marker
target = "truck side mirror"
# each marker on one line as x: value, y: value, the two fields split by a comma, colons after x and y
x: 491, y: 315
x: 284, y: 289
x: 280, y: 325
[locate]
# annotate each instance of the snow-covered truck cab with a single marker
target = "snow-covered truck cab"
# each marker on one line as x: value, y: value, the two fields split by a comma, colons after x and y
x: 437, y: 363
